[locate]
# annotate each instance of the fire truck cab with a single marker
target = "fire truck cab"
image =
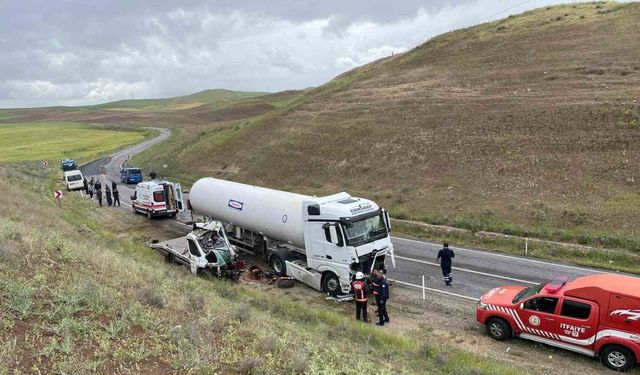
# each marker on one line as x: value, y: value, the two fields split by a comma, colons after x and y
x: 597, y: 315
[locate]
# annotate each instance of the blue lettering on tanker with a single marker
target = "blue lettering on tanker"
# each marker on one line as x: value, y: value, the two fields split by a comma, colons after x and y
x: 236, y: 205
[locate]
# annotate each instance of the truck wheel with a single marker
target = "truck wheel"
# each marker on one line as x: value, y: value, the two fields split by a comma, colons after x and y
x: 278, y: 265
x: 498, y: 329
x: 331, y: 284
x: 617, y: 358
x: 168, y: 258
x: 149, y: 216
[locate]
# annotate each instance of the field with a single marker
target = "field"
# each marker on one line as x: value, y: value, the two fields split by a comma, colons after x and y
x: 61, y: 140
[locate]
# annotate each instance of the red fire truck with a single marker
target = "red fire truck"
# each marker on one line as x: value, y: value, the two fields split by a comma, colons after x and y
x: 596, y: 315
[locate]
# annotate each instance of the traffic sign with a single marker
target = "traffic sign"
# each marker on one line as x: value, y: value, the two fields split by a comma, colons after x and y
x: 57, y: 194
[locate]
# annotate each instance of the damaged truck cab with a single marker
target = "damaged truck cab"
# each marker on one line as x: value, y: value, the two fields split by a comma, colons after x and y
x: 206, y: 251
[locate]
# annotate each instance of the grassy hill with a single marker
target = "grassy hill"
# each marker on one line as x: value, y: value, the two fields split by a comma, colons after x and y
x: 206, y: 97
x: 526, y: 125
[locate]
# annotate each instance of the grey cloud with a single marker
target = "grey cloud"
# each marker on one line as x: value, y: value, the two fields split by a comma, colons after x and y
x: 71, y: 52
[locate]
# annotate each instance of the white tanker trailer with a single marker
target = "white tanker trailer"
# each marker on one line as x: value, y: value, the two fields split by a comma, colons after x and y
x: 321, y: 242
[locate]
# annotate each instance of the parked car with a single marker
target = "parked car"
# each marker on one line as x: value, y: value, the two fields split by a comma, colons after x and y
x: 73, y: 180
x: 131, y: 175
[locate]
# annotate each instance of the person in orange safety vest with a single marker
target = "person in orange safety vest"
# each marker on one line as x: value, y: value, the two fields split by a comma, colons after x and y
x: 359, y: 289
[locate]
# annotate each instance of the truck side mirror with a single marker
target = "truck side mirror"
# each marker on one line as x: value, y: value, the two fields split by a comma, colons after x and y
x: 333, y: 234
x: 387, y: 220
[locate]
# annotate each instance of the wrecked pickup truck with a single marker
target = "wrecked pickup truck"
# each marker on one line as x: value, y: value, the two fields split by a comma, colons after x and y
x: 206, y: 251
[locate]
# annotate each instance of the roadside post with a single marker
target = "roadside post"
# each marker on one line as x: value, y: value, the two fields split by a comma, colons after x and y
x: 423, y: 290
x: 57, y: 194
x: 526, y: 246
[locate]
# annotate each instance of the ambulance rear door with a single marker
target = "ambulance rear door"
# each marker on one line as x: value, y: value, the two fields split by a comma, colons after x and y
x: 177, y: 189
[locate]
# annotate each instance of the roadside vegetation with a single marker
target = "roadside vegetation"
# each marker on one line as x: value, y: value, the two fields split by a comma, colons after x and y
x: 60, y: 140
x: 77, y: 296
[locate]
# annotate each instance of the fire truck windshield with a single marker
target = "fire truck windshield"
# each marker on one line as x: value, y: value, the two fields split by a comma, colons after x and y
x: 528, y: 292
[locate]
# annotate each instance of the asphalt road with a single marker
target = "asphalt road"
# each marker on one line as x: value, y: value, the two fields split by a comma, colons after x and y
x: 474, y: 271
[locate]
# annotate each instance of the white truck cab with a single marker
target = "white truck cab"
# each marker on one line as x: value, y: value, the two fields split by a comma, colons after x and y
x: 157, y: 198
x: 73, y: 180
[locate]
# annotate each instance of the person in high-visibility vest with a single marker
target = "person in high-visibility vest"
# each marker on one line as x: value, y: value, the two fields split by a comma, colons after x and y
x: 359, y: 289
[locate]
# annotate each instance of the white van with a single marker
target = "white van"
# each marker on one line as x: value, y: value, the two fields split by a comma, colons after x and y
x: 157, y: 198
x: 73, y: 180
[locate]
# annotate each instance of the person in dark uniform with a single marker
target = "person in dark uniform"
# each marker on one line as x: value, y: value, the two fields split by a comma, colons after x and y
x: 116, y: 196
x: 108, y: 195
x: 359, y: 290
x: 86, y: 185
x: 445, y: 256
x: 98, y: 186
x: 114, y: 186
x: 99, y: 196
x: 382, y: 295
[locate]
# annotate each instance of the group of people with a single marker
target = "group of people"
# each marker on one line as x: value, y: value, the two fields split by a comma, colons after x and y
x: 378, y: 285
x: 94, y: 187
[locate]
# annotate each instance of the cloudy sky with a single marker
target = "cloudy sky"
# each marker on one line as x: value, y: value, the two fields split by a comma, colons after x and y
x: 68, y: 52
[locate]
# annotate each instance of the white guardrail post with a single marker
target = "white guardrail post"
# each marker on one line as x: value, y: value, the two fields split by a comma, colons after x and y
x: 423, y: 290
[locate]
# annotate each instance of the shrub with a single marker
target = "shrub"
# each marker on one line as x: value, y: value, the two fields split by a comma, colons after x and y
x: 250, y: 365
x: 150, y: 296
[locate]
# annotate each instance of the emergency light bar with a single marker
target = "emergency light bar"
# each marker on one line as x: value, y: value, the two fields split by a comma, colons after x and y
x: 556, y: 284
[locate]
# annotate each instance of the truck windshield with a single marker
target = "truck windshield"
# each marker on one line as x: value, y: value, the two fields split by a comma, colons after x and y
x: 527, y: 292
x: 74, y: 177
x: 134, y: 171
x: 365, y: 231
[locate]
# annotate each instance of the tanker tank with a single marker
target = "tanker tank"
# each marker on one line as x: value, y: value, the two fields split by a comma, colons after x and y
x: 272, y: 213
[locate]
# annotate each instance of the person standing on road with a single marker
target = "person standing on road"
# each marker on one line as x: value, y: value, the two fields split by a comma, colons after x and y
x: 98, y: 186
x: 359, y: 290
x: 445, y: 256
x: 99, y: 196
x: 116, y: 195
x: 86, y: 185
x: 113, y: 185
x: 91, y: 187
x: 108, y: 194
x: 382, y: 295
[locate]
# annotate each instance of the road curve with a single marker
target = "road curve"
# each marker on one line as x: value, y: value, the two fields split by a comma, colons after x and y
x: 474, y: 271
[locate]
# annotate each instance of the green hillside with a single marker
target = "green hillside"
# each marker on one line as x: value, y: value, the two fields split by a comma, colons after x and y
x: 528, y: 125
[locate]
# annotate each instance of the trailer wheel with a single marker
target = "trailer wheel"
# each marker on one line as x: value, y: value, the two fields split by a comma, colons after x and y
x: 285, y: 283
x: 617, y: 358
x: 278, y: 265
x: 498, y: 329
x: 331, y: 284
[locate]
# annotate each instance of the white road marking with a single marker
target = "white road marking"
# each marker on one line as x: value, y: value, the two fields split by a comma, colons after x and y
x: 435, y: 290
x: 468, y: 270
x: 504, y: 256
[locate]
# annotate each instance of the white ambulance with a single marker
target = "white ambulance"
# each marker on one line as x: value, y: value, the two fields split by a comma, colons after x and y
x: 157, y: 198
